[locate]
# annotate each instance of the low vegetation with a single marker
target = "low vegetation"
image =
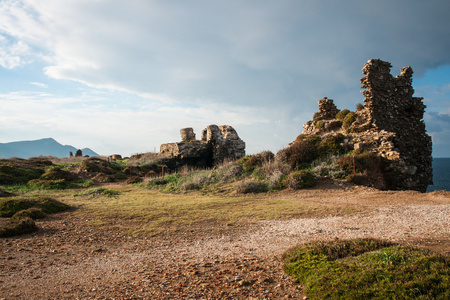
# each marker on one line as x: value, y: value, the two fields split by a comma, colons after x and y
x: 21, y: 212
x: 368, y: 269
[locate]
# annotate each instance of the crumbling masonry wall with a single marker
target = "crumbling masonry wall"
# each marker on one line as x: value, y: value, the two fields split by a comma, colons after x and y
x: 389, y: 124
x: 390, y: 106
x: 217, y: 144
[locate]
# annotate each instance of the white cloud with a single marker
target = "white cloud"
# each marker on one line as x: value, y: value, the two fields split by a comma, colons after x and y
x: 89, y: 122
x: 259, y: 65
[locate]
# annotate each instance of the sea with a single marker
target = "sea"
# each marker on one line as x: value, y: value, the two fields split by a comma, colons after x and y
x: 441, y: 175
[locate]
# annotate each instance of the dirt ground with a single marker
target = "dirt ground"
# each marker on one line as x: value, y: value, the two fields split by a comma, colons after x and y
x: 69, y: 258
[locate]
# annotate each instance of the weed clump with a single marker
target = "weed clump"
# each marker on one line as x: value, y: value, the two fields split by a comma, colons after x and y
x: 250, y: 162
x: 18, y: 226
x: 252, y: 187
x: 134, y: 179
x: 300, y: 179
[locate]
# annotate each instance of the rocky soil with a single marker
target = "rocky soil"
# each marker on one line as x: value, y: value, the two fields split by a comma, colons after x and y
x: 69, y: 258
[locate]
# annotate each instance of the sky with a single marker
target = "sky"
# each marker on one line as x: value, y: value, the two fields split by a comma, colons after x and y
x: 125, y: 76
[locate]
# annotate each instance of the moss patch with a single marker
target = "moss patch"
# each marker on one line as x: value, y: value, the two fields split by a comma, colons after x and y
x: 10, y: 206
x: 368, y: 269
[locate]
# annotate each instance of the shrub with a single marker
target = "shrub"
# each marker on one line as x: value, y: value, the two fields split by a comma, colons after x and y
x: 307, y: 149
x: 342, y: 114
x: 56, y: 173
x: 252, y: 187
x: 57, y: 184
x: 359, y: 107
x: 300, y: 179
x: 320, y: 125
x: 316, y: 116
x: 303, y: 150
x: 102, y: 177
x: 333, y: 125
x: 99, y: 165
x: 331, y: 145
x: 19, y: 171
x: 250, y: 162
x: 228, y: 170
x: 365, y: 168
x: 18, y: 226
x: 10, y: 206
x: 32, y: 212
x: 348, y: 120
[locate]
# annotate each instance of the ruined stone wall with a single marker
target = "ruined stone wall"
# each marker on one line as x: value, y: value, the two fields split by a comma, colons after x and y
x: 391, y: 107
x: 217, y: 144
x: 389, y: 124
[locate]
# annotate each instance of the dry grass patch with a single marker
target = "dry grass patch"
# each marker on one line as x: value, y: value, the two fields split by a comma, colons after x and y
x: 141, y: 211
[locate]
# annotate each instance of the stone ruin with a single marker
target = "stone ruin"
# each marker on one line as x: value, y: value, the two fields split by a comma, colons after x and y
x: 217, y: 144
x: 389, y: 124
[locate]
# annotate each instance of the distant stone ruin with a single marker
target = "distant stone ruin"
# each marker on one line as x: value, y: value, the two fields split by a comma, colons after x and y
x: 390, y: 124
x: 217, y: 144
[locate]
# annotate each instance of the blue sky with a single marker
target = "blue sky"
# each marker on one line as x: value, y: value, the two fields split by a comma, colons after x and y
x: 126, y: 76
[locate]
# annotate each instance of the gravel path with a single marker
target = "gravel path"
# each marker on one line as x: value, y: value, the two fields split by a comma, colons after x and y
x: 71, y: 259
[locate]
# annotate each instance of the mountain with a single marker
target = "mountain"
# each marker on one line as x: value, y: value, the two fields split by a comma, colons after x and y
x: 48, y: 146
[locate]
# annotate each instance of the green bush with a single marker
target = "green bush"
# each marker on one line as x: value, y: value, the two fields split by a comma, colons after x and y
x: 331, y: 145
x: 307, y: 149
x: 342, y: 114
x: 99, y: 165
x: 320, y: 125
x: 32, y: 212
x: 18, y: 226
x: 57, y: 184
x: 368, y: 269
x: 349, y: 119
x: 10, y: 206
x: 299, y: 180
x: 17, y: 175
x: 316, y: 116
x: 56, y: 173
x: 334, y: 125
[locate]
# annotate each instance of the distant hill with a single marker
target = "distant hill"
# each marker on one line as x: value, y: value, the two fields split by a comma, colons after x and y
x: 48, y: 146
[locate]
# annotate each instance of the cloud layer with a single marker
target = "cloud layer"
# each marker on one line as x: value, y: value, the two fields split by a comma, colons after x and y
x: 260, y: 66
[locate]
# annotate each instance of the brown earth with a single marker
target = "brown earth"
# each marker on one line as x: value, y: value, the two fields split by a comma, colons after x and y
x: 69, y: 258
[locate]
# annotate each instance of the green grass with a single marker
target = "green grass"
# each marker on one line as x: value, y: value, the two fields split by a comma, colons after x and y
x: 368, y: 269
